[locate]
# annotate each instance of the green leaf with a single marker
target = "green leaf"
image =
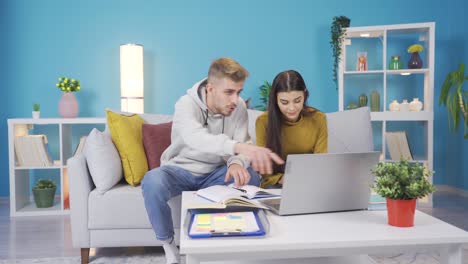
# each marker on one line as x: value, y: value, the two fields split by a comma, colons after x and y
x: 451, y: 97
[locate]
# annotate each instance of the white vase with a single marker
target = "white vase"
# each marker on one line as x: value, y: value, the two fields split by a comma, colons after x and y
x: 394, y: 106
x: 404, y: 106
x: 36, y: 114
x: 415, y: 105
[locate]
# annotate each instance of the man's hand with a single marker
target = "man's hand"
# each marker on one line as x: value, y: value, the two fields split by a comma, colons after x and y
x: 261, y: 158
x: 239, y: 173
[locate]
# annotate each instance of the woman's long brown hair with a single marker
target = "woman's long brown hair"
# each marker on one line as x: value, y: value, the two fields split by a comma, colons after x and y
x: 286, y: 81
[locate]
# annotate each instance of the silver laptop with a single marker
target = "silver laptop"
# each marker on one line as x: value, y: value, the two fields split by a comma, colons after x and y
x: 318, y: 183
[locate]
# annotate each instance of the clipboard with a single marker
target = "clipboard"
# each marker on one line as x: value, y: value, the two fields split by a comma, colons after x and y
x: 207, y: 223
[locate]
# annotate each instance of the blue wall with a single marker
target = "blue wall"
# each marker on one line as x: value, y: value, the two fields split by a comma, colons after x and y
x: 43, y: 40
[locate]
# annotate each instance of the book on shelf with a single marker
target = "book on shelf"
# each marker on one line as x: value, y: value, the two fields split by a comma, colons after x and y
x: 80, y: 146
x: 397, y: 144
x: 221, y: 196
x: 32, y: 151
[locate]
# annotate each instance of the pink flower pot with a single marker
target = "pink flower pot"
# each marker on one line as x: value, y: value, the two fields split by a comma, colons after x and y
x: 68, y: 106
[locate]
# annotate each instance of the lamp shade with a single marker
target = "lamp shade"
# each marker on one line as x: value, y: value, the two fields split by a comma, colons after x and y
x: 131, y: 78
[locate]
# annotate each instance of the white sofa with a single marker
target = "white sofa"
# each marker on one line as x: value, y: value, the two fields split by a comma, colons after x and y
x: 118, y: 217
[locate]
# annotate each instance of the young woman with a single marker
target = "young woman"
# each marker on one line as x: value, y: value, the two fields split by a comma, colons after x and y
x: 290, y: 126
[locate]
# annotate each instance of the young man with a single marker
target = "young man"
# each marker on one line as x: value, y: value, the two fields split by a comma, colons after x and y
x: 208, y: 133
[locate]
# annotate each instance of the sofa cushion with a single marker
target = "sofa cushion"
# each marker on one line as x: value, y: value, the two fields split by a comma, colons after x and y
x: 156, y: 138
x: 103, y: 160
x: 156, y: 118
x: 350, y: 131
x: 253, y: 115
x: 123, y: 207
x: 149, y: 118
x: 127, y: 137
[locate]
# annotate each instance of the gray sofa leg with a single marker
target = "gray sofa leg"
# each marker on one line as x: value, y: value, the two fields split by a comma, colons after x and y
x: 84, y: 255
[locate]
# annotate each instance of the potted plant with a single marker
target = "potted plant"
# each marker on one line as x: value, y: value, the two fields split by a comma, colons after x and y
x: 68, y: 106
x: 401, y: 183
x: 36, y: 112
x: 338, y: 32
x: 44, y: 192
x: 264, y: 95
x: 456, y: 99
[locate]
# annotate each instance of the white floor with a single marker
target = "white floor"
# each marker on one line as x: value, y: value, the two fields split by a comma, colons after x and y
x: 50, y: 236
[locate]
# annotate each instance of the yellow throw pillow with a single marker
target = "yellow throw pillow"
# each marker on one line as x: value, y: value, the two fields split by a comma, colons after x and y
x: 126, y: 133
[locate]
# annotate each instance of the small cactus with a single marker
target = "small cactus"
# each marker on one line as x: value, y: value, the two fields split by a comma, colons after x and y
x: 36, y: 107
x: 44, y: 184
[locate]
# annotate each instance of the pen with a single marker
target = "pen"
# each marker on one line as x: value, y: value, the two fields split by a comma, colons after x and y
x: 240, y: 189
x: 221, y: 232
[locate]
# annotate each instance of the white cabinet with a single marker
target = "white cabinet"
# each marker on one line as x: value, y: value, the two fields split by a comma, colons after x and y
x: 63, y: 136
x: 380, y: 43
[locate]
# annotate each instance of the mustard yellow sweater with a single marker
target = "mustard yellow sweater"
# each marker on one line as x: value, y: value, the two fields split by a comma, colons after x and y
x: 307, y: 135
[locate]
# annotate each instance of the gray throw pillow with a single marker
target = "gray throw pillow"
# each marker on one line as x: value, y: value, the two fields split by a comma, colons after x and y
x: 103, y: 160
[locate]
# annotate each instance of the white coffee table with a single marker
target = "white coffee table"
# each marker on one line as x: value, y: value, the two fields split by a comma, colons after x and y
x: 346, y: 237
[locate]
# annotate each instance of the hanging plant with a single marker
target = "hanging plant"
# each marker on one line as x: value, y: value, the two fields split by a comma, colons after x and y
x: 338, y: 32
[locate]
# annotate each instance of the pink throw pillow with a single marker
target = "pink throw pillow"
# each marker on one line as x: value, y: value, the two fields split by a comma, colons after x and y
x: 156, y: 138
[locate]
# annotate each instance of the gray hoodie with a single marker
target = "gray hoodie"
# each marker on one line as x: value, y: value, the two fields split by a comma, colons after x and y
x: 200, y: 149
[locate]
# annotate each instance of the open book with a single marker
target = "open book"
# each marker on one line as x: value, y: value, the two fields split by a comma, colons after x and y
x: 229, y: 196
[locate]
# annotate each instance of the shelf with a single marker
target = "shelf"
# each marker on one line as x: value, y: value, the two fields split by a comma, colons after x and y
x: 402, y: 116
x: 410, y: 71
x: 364, y: 32
x: 55, y: 166
x: 369, y: 72
x: 51, y: 121
x: 380, y: 42
x: 398, y: 28
x: 61, y: 132
x: 36, y: 168
x: 31, y: 210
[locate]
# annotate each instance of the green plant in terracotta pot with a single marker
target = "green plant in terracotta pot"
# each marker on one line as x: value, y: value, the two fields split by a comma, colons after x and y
x: 401, y: 183
x: 44, y: 192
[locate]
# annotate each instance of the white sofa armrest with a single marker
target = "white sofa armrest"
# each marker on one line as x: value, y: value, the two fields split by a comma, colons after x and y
x: 81, y: 185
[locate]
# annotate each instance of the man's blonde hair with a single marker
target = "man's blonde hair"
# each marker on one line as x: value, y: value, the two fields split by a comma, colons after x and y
x: 227, y: 68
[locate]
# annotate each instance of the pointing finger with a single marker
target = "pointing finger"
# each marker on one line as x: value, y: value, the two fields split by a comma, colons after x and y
x: 277, y: 159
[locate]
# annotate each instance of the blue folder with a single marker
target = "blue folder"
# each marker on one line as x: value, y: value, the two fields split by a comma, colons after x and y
x: 259, y: 217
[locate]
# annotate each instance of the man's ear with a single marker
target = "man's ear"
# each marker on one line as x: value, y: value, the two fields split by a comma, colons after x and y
x: 209, y: 87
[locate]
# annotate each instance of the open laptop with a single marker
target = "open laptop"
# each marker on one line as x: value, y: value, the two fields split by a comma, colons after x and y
x: 318, y: 183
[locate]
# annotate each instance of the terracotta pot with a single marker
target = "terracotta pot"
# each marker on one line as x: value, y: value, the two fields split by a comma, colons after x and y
x: 68, y: 106
x: 400, y: 213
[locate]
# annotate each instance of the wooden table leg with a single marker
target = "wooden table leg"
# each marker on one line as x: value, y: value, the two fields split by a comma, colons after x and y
x: 84, y: 255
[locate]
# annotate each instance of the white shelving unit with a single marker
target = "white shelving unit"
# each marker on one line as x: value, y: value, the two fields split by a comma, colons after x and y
x: 21, y: 201
x: 381, y: 41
